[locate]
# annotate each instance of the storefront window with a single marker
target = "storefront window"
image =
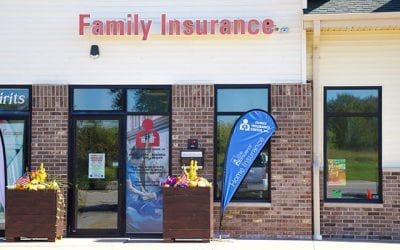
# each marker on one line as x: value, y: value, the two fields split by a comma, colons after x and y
x: 241, y: 100
x: 14, y: 124
x: 231, y: 102
x: 352, y: 144
x: 148, y: 100
x: 86, y: 99
x: 14, y: 99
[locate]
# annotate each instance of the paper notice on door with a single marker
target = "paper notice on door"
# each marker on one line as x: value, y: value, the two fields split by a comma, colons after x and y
x: 97, y: 164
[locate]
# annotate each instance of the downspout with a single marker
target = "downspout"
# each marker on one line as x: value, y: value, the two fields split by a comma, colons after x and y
x: 317, y: 128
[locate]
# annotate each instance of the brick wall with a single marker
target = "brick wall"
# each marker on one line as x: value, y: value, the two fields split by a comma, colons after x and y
x: 50, y: 131
x: 289, y: 214
x: 193, y: 117
x: 371, y: 223
x: 290, y: 211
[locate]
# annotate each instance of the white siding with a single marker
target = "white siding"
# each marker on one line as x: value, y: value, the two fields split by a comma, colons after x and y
x: 367, y: 58
x: 39, y: 43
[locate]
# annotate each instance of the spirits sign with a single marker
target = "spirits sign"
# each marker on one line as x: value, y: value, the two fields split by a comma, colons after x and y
x: 134, y: 25
x: 14, y: 99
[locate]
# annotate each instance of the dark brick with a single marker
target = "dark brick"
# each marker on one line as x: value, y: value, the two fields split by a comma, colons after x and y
x: 49, y: 142
x: 366, y: 223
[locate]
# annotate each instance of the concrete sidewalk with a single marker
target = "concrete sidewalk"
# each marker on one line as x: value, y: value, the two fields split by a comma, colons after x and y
x: 116, y: 244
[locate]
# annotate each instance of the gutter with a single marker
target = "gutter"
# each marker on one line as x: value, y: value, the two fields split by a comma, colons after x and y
x: 317, y: 158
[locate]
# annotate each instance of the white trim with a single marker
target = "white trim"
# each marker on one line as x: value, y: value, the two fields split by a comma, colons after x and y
x: 390, y: 169
x: 304, y: 4
x: 245, y: 204
x: 353, y: 205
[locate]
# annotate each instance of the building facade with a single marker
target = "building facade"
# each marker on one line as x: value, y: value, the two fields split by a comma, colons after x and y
x: 100, y: 80
x: 353, y: 56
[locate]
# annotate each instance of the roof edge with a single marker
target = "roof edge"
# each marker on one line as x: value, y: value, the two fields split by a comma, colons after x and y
x: 352, y: 16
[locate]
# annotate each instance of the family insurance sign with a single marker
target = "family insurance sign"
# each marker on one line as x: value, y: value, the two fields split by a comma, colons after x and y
x: 134, y: 25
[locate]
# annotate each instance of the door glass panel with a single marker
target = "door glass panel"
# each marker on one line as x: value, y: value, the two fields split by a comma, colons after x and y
x: 13, y: 132
x: 96, y: 159
x: 147, y: 166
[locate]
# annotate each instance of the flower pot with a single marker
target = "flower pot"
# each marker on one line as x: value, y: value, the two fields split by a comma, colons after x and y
x: 34, y: 214
x: 188, y: 213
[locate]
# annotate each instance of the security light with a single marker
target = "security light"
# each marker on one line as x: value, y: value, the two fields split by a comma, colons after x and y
x: 94, y: 51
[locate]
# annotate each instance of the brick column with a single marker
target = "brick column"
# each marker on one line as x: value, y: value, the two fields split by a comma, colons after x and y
x: 193, y: 117
x: 291, y: 159
x: 50, y: 131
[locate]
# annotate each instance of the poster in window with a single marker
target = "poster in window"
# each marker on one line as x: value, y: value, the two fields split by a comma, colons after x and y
x: 147, y: 166
x: 13, y: 135
x: 97, y: 164
x: 336, y: 172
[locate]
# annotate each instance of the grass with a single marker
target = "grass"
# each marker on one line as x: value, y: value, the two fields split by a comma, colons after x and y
x: 360, y: 165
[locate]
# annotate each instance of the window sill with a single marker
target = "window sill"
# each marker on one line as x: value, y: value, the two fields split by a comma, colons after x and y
x: 245, y: 204
x: 352, y: 205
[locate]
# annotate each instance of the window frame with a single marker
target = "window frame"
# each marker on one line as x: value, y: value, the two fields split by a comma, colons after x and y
x: 377, y: 115
x: 231, y: 113
x: 122, y: 115
x: 25, y: 115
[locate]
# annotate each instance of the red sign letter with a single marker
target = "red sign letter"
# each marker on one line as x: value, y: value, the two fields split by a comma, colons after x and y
x: 268, y: 26
x: 251, y: 29
x: 82, y: 23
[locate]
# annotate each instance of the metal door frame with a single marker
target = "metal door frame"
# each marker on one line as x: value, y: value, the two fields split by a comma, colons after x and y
x: 72, y: 230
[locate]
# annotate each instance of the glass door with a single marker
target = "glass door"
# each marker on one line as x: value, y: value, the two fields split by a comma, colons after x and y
x: 96, y: 175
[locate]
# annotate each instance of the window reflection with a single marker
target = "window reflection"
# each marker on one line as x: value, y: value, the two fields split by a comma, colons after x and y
x: 97, y: 197
x: 255, y: 184
x: 237, y: 101
x: 354, y: 140
x: 98, y: 99
x: 352, y: 100
x: 242, y: 100
x: 148, y: 100
x: 352, y: 134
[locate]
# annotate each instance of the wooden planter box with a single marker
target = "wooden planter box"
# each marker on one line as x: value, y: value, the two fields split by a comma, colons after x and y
x: 188, y: 213
x: 34, y: 214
